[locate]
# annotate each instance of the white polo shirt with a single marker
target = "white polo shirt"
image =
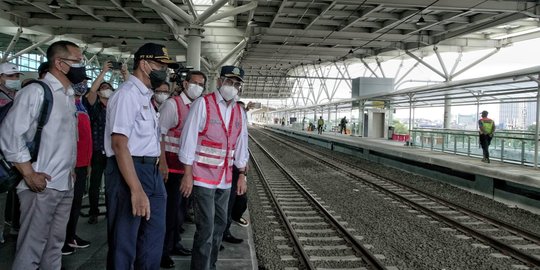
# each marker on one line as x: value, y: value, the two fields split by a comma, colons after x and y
x: 130, y: 113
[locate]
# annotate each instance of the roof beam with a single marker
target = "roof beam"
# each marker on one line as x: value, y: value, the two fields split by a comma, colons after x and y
x: 44, y: 7
x: 127, y: 12
x: 86, y: 9
x: 322, y: 13
x: 361, y: 16
x: 276, y: 16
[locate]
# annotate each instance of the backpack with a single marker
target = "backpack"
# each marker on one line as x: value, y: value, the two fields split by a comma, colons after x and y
x: 9, y: 175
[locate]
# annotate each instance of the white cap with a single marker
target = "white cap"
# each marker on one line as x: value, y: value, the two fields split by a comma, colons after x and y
x: 9, y: 69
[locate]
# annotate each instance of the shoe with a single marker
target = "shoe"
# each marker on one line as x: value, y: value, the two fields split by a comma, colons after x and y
x: 488, y: 161
x: 93, y: 219
x: 2, y: 240
x: 79, y: 243
x: 221, y: 248
x: 67, y: 250
x: 242, y: 222
x: 166, y: 262
x: 485, y: 160
x: 231, y: 239
x: 181, y: 251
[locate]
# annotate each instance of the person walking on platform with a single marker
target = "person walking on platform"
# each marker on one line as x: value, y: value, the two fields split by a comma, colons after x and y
x: 172, y: 116
x: 136, y: 197
x: 46, y: 191
x: 320, y: 125
x: 343, y: 125
x: 213, y: 139
x: 487, y: 128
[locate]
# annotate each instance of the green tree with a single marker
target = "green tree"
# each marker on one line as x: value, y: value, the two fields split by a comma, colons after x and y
x: 400, y: 128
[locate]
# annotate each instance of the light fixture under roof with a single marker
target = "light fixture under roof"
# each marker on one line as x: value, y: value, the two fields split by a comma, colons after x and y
x: 54, y: 4
x: 124, y: 43
x: 252, y: 22
x: 421, y: 21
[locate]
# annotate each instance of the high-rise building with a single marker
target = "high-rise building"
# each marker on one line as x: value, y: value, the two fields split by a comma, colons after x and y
x: 516, y: 115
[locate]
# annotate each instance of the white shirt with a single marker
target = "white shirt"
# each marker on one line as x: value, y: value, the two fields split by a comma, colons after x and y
x: 58, y: 149
x: 168, y: 113
x: 130, y: 113
x: 195, y: 122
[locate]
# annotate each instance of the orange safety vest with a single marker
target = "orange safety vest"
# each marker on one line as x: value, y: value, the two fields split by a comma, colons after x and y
x: 172, y: 139
x: 216, y: 144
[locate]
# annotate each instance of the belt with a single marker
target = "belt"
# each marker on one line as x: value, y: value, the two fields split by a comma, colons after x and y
x: 146, y: 160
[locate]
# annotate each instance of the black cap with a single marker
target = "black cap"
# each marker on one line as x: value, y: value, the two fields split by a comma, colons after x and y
x: 484, y: 113
x: 232, y: 71
x: 155, y: 52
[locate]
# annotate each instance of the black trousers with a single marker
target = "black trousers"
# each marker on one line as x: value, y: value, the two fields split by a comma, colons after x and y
x: 177, y: 206
x: 485, y: 141
x: 78, y: 193
x: 13, y: 209
x: 237, y: 204
x: 99, y: 162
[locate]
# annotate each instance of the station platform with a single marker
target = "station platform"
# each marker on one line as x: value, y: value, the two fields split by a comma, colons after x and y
x: 512, y: 184
x: 234, y: 256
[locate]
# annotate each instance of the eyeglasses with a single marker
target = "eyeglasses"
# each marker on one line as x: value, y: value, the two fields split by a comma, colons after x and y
x: 235, y: 84
x: 160, y: 66
x: 76, y: 62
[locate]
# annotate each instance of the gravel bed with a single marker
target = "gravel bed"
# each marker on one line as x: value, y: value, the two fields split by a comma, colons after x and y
x: 403, y: 236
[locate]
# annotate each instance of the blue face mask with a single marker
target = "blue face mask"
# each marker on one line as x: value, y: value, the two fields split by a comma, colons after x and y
x: 80, y: 88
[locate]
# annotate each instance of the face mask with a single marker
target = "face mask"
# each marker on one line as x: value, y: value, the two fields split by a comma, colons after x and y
x: 228, y: 92
x: 105, y: 93
x: 157, y: 77
x: 13, y: 84
x: 161, y: 97
x: 80, y: 88
x: 76, y: 74
x: 194, y: 91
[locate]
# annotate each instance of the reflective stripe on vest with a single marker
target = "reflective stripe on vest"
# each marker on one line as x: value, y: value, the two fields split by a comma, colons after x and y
x: 216, y: 144
x: 172, y: 139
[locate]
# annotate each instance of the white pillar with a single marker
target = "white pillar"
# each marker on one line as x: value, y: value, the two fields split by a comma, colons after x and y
x: 447, y: 112
x: 193, y: 57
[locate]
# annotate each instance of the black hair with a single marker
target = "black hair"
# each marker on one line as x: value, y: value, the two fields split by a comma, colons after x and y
x: 59, y: 48
x: 195, y: 72
x: 110, y: 85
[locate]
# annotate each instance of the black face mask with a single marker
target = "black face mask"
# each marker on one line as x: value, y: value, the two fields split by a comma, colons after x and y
x: 76, y: 74
x: 157, y: 78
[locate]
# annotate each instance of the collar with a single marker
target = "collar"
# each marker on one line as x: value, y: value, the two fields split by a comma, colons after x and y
x: 56, y: 85
x: 185, y: 98
x: 140, y: 85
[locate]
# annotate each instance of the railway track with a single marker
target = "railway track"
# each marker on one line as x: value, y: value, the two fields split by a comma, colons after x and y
x: 509, y: 240
x: 318, y: 239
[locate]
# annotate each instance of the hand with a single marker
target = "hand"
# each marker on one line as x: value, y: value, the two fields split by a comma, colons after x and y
x: 140, y: 205
x: 164, y: 170
x: 186, y: 185
x: 37, y: 181
x: 242, y: 185
x: 106, y: 66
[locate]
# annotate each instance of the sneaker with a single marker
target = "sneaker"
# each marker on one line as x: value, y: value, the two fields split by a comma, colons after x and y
x: 79, y: 243
x: 242, y: 222
x: 67, y: 250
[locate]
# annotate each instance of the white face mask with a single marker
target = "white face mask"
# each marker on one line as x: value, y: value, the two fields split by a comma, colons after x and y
x: 161, y: 97
x: 228, y: 92
x: 194, y: 91
x: 105, y: 93
x: 13, y: 84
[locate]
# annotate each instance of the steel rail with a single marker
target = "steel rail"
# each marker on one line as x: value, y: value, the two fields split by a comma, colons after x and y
x: 504, y: 248
x: 371, y: 261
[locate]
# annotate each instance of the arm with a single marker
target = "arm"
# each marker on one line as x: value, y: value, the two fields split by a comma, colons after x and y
x: 168, y: 118
x: 92, y: 94
x: 193, y: 124
x: 139, y: 201
x: 241, y: 156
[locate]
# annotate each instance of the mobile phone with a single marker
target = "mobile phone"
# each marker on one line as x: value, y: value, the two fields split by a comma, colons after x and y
x: 116, y: 65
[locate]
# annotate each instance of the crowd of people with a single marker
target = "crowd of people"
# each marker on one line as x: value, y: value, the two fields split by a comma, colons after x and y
x: 161, y: 148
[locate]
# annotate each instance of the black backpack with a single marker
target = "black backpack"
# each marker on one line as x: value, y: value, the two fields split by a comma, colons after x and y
x: 9, y: 175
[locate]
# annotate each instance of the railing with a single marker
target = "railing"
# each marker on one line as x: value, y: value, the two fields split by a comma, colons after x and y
x: 506, y: 146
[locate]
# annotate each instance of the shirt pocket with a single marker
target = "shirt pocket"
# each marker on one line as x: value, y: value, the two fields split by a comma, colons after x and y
x: 147, y: 123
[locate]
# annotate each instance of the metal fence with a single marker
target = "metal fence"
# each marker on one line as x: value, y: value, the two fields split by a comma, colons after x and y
x: 506, y: 146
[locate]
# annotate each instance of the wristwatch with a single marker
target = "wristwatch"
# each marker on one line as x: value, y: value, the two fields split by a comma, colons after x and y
x: 243, y: 172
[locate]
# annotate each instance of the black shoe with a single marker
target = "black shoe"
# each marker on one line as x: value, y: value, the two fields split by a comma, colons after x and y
x: 93, y: 219
x: 166, y: 262
x: 181, y: 251
x: 231, y: 239
x: 67, y: 250
x: 221, y: 248
x: 79, y: 243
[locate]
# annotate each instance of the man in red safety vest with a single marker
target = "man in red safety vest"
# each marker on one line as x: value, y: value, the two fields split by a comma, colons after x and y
x: 172, y: 115
x: 214, y: 138
x: 487, y: 128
